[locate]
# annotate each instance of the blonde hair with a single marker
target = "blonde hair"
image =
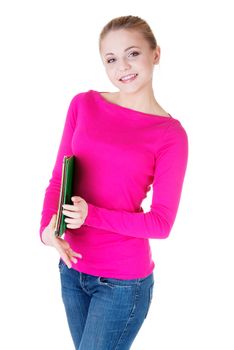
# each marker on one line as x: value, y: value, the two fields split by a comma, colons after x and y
x: 130, y: 23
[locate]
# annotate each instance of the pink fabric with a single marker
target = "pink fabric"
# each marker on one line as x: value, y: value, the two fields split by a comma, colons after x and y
x: 119, y: 154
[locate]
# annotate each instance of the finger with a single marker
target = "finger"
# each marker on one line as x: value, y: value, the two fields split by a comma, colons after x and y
x: 76, y: 222
x: 71, y: 207
x: 70, y: 250
x: 73, y: 253
x: 73, y: 214
x: 74, y: 226
x: 76, y: 199
x: 66, y: 259
x: 63, y: 254
x: 72, y: 258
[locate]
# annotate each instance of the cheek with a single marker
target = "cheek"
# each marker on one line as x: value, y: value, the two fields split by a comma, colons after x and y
x: 111, y: 72
x: 145, y: 62
x: 146, y: 67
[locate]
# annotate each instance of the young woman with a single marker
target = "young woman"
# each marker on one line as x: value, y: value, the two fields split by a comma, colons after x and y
x: 123, y: 143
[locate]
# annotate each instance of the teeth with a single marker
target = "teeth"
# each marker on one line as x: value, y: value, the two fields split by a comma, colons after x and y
x: 128, y: 76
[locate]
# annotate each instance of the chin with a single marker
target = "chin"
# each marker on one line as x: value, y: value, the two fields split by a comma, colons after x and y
x: 128, y: 87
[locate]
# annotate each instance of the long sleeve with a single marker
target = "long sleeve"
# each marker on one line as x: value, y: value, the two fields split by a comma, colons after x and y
x: 170, y: 167
x: 52, y: 192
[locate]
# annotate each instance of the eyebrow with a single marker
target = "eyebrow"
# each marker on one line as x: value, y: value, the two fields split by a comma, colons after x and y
x: 128, y: 48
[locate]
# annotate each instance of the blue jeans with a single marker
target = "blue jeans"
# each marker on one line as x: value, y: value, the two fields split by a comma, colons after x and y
x: 104, y: 313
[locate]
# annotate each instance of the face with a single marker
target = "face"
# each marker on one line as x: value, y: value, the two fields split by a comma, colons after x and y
x: 125, y: 53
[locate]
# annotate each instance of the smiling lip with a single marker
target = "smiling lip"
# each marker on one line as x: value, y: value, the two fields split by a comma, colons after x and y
x: 128, y: 77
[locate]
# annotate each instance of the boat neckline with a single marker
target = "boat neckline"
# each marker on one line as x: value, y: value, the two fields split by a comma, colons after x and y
x: 130, y: 110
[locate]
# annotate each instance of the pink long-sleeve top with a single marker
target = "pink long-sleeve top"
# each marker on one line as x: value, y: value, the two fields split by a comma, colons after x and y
x: 119, y: 153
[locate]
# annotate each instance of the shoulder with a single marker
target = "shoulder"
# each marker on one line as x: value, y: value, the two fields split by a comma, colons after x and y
x: 175, y: 129
x: 79, y: 97
x: 174, y: 141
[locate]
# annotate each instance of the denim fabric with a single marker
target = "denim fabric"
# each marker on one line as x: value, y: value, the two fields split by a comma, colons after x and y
x: 104, y: 313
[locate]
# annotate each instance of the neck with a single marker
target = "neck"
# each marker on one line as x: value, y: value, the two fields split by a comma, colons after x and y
x: 141, y: 100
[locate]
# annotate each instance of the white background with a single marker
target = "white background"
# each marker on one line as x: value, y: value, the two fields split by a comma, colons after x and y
x: 49, y: 53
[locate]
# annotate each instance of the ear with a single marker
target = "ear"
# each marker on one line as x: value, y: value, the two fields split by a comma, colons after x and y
x: 156, y: 55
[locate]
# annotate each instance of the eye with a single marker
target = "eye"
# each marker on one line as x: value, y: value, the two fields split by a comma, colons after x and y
x: 108, y: 61
x: 137, y: 53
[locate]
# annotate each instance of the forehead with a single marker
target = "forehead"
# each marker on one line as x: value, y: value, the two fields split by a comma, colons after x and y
x: 118, y: 40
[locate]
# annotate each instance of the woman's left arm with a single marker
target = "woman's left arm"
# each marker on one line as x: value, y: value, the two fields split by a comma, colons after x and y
x: 171, y: 164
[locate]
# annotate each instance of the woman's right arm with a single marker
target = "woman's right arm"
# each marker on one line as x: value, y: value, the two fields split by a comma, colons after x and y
x: 52, y: 192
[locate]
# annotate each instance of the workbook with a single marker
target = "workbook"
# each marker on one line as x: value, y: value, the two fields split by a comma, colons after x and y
x: 65, y: 193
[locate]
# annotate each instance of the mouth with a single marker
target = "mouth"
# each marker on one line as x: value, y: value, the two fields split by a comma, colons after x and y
x: 128, y: 78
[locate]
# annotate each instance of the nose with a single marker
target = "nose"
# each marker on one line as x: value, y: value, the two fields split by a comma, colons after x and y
x: 124, y: 65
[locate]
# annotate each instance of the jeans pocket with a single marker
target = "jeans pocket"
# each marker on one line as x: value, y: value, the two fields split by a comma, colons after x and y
x: 61, y: 265
x: 115, y: 282
x: 150, y: 297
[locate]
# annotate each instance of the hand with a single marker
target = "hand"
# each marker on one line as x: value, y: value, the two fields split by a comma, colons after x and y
x: 63, y: 247
x: 76, y: 212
